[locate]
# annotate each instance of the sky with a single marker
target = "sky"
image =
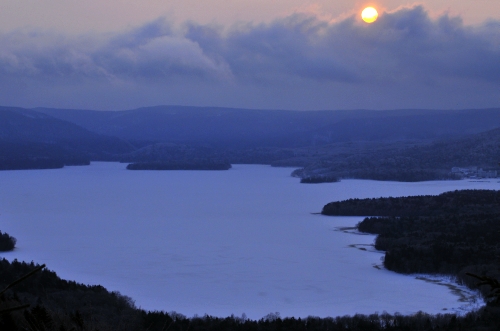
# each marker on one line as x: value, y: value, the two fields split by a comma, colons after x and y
x: 267, y: 54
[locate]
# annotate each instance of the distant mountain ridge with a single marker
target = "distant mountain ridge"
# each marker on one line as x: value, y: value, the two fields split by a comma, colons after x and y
x: 245, y: 128
x: 406, y: 144
x: 29, y: 139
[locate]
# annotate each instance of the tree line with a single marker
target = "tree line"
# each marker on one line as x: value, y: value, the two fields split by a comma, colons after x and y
x: 453, y: 233
x: 61, y: 305
x: 207, y: 165
x: 454, y: 202
x: 7, y: 242
x: 319, y: 179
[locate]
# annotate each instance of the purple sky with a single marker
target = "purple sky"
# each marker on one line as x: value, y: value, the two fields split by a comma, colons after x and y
x: 286, y: 54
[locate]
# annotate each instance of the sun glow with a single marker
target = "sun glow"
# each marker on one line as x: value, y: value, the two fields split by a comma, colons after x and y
x: 369, y: 14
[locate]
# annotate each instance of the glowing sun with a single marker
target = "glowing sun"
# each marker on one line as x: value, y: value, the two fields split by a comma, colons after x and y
x: 369, y: 14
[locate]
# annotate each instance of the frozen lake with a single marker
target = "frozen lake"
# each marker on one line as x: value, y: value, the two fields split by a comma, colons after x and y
x: 213, y: 242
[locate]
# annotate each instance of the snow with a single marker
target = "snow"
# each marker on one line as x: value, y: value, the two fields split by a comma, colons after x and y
x: 215, y: 242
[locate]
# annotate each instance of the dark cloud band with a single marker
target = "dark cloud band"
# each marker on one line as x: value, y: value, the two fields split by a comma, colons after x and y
x: 405, y: 49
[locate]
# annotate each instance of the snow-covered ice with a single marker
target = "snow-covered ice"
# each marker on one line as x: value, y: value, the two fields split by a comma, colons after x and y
x: 214, y: 242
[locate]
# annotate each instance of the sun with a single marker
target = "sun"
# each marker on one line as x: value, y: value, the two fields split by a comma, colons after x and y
x: 369, y: 14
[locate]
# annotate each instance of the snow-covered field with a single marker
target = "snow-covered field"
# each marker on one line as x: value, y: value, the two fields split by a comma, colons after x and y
x: 214, y: 242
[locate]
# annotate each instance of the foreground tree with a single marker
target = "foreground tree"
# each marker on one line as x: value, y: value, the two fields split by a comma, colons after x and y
x: 7, y: 242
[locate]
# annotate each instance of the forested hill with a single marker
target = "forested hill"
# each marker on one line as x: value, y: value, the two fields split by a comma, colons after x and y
x: 452, y: 233
x: 401, y: 145
x: 60, y: 305
x: 32, y: 140
x: 455, y: 202
x: 424, y: 161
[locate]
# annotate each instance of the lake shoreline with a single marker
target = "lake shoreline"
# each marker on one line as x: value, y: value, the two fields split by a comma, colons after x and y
x: 246, y: 237
x: 472, y: 299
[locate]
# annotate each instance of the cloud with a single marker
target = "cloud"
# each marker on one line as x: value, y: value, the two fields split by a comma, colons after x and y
x: 303, y: 56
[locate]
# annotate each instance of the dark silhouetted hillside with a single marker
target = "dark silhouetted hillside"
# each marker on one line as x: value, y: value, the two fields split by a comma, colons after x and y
x: 402, y: 145
x: 429, y: 161
x: 29, y: 139
x: 61, y: 305
x: 452, y: 233
x: 455, y: 202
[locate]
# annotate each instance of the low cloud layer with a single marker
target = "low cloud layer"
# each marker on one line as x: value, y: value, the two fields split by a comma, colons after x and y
x: 404, y: 60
